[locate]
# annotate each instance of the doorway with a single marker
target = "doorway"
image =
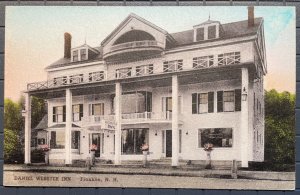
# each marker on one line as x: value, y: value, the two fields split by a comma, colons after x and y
x: 97, y: 139
x: 168, y: 143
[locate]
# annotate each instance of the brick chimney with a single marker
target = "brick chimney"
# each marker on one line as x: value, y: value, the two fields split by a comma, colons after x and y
x: 68, y: 39
x: 250, y: 16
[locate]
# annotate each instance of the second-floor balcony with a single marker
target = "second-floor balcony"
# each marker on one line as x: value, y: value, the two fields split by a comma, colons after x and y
x: 129, y: 118
x: 133, y: 49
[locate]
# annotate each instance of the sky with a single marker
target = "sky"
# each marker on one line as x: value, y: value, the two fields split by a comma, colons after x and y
x: 34, y: 36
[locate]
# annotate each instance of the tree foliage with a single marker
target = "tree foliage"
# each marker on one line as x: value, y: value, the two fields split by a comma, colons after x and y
x: 12, y: 147
x: 279, y: 128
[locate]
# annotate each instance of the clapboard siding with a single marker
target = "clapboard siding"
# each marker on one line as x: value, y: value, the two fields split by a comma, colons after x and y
x: 132, y: 191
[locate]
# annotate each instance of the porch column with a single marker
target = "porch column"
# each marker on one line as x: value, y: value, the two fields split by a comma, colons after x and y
x: 118, y: 131
x: 175, y: 132
x: 27, y: 135
x: 244, y: 118
x: 68, y: 130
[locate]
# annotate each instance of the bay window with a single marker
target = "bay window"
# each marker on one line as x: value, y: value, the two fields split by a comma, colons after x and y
x: 219, y: 137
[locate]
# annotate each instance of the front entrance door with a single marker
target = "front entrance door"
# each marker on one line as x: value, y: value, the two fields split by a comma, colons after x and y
x: 96, y: 139
x: 168, y: 143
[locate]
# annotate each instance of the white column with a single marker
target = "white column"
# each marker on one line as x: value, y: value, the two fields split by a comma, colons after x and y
x: 68, y: 129
x: 244, y: 119
x: 118, y: 130
x: 27, y: 129
x: 175, y: 131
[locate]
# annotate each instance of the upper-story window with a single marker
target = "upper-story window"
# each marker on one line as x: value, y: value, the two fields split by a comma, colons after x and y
x: 75, y: 79
x: 96, y: 76
x: 229, y: 101
x: 123, y: 73
x: 96, y: 109
x: 59, y: 81
x: 202, y: 103
x: 77, y: 111
x: 203, y: 61
x: 172, y: 66
x: 75, y: 56
x: 59, y: 114
x: 211, y: 32
x: 200, y: 34
x: 83, y: 54
x: 144, y: 70
x: 229, y: 58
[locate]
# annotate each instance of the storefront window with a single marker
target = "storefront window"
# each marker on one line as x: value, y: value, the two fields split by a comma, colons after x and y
x: 133, y: 139
x: 219, y: 137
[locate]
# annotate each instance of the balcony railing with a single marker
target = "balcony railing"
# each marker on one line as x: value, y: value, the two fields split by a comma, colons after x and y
x: 171, y: 66
x: 134, y: 44
x: 126, y: 118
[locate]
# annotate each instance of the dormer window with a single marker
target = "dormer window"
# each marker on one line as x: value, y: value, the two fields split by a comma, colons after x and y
x: 83, y: 55
x: 75, y: 56
x: 207, y: 31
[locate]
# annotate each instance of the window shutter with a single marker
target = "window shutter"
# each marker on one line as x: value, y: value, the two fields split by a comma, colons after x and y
x: 194, y: 103
x: 80, y: 111
x: 220, y: 101
x: 237, y: 99
x: 54, y: 115
x: 64, y: 113
x: 210, y: 102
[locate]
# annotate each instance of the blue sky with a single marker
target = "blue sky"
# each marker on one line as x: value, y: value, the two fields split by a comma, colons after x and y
x: 34, y: 36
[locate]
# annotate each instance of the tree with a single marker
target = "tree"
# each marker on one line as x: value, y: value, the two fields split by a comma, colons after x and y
x: 279, y: 128
x: 12, y: 148
x: 13, y: 119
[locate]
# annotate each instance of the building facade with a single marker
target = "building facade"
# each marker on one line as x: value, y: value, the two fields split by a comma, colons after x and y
x: 172, y: 91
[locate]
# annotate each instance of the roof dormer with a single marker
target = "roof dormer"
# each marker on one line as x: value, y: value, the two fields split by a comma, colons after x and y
x: 207, y: 30
x: 82, y: 53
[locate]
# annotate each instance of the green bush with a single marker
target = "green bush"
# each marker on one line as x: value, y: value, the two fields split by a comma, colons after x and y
x: 37, y: 156
x: 13, y: 152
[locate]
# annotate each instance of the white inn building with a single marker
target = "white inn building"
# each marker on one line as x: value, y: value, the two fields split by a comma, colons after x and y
x: 172, y: 91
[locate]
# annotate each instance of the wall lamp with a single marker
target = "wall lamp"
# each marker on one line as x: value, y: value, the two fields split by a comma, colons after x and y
x: 244, y: 94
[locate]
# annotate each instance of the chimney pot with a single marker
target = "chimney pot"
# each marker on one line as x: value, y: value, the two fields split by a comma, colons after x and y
x: 250, y: 16
x: 68, y: 39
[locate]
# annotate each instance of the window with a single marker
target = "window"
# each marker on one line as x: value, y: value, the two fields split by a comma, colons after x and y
x: 144, y: 70
x: 75, y: 56
x: 75, y: 79
x: 41, y: 141
x: 211, y: 31
x: 59, y: 81
x: 59, y: 114
x: 203, y: 62
x: 229, y: 58
x: 123, y: 73
x: 75, y: 140
x: 133, y: 139
x: 219, y: 137
x: 83, y: 55
x: 96, y: 76
x: 57, y: 140
x: 172, y: 66
x: 77, y: 111
x: 96, y: 109
x: 229, y: 101
x: 203, y: 103
x: 200, y: 34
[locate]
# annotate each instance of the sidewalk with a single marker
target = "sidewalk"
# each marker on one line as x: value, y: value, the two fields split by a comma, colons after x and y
x: 222, y: 174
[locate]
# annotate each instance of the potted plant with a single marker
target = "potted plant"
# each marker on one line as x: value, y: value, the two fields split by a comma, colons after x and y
x: 145, y: 149
x: 45, y: 148
x: 208, y: 147
x: 93, y: 150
